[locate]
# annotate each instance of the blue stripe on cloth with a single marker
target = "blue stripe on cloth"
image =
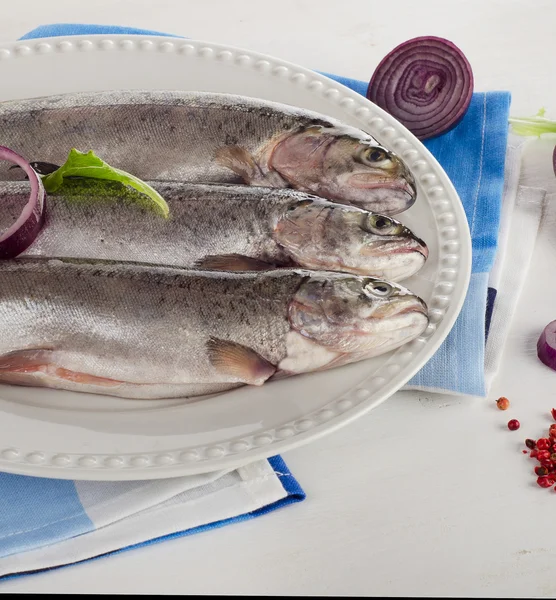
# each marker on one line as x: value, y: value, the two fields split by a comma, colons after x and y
x: 475, y: 164
x: 63, y: 29
x: 491, y: 298
x: 459, y: 363
x: 35, y: 512
x: 289, y: 483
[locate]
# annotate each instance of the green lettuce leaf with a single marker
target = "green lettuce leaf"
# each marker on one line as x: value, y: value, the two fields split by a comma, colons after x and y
x: 88, y: 165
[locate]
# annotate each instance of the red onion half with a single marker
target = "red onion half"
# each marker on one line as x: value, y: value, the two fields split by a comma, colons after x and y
x: 426, y: 83
x: 17, y: 238
x: 546, y: 346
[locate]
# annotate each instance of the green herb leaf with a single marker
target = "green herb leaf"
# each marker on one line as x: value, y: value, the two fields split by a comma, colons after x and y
x: 533, y: 126
x: 79, y: 164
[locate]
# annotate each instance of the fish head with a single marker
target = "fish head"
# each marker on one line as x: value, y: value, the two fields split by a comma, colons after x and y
x: 323, y: 235
x: 359, y: 316
x: 346, y: 165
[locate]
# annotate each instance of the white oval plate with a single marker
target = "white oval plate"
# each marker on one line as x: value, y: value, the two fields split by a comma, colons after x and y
x: 50, y: 433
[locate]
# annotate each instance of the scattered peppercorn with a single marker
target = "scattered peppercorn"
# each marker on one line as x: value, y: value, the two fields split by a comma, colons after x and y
x: 543, y: 455
x: 544, y: 450
x: 503, y: 403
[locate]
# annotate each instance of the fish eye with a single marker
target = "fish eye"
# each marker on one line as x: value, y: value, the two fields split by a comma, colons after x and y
x: 380, y: 221
x: 377, y: 155
x: 382, y: 225
x: 374, y: 155
x: 379, y: 288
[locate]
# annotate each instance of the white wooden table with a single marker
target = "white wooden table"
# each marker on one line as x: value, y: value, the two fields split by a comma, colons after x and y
x: 427, y: 495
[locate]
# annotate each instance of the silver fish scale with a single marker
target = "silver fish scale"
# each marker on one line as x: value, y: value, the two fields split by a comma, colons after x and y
x: 154, y: 135
x: 92, y: 221
x: 141, y: 324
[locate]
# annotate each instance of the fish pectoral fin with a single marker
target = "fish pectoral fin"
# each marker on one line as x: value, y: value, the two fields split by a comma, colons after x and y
x: 232, y: 262
x: 239, y: 362
x: 240, y: 161
x: 26, y: 367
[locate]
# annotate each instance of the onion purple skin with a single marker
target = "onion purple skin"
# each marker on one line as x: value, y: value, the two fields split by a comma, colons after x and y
x: 17, y: 238
x: 546, y: 346
x: 554, y: 160
x: 425, y: 83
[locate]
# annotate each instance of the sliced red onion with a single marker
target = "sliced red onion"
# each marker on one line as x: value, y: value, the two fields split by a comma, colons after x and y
x: 426, y: 83
x: 546, y: 346
x: 554, y: 160
x: 23, y: 232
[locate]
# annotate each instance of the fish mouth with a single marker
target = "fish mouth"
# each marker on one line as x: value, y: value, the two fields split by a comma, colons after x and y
x: 366, y: 181
x: 389, y: 311
x: 389, y: 249
x: 424, y: 251
x: 418, y: 308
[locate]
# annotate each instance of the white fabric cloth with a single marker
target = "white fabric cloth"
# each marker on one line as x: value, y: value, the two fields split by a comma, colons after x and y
x: 522, y: 211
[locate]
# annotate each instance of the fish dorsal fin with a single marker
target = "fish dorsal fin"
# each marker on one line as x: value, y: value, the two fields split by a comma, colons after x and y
x: 232, y: 262
x: 239, y: 362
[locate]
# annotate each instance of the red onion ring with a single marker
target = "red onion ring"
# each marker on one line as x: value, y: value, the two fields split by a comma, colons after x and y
x: 426, y: 83
x: 17, y: 238
x: 546, y: 345
x: 554, y: 160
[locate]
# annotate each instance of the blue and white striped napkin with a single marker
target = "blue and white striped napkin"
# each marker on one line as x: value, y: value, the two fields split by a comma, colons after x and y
x: 46, y: 523
x: 52, y: 523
